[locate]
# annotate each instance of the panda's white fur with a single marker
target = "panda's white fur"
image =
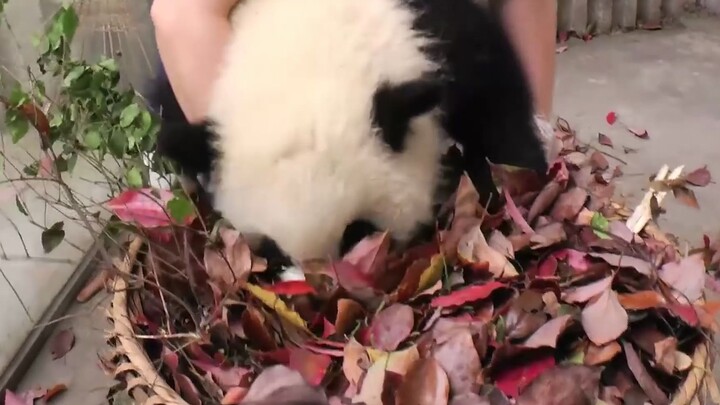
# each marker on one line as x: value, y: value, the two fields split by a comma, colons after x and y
x: 318, y: 165
x: 296, y: 151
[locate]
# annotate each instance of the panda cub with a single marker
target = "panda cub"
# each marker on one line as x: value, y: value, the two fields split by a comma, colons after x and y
x: 330, y: 117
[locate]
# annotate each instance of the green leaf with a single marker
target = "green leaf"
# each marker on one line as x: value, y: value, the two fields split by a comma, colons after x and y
x: 16, y: 124
x: 31, y: 169
x: 93, y: 140
x: 68, y: 22
x: 117, y: 144
x: 21, y: 206
x: 128, y: 115
x: 73, y: 75
x: 52, y: 237
x: 109, y: 64
x: 72, y: 162
x: 18, y: 97
x: 134, y: 178
x: 180, y: 208
x: 600, y: 226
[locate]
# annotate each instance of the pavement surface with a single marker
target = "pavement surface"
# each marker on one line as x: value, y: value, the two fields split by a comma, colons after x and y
x: 664, y: 81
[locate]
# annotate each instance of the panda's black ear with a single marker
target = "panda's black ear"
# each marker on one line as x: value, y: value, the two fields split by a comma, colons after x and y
x: 188, y: 145
x: 395, y: 105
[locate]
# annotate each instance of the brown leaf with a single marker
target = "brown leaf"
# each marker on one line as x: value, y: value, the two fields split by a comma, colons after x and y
x: 686, y: 196
x: 516, y: 180
x: 253, y: 324
x: 605, y: 140
x: 514, y: 213
x: 280, y: 384
x: 460, y: 360
x: 372, y: 386
x: 501, y: 243
x: 370, y: 255
x: 473, y: 248
x: 699, y: 177
x: 54, y: 391
x: 520, y: 323
x: 640, y: 265
x: 391, y: 327
x: 578, y: 295
x: 569, y: 204
x: 425, y: 384
x: 640, y: 133
x: 188, y: 390
x: 62, y: 343
x: 644, y: 379
x: 687, y: 277
x: 598, y: 161
x: 312, y: 366
x: 355, y: 361
x: 548, y: 334
x: 548, y: 235
x: 544, y: 200
x: 563, y: 385
x: 348, y: 313
x: 597, y: 355
x: 641, y: 300
x: 604, y: 319
x: 231, y: 267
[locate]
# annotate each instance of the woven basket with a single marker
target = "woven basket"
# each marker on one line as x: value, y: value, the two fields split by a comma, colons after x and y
x: 147, y: 387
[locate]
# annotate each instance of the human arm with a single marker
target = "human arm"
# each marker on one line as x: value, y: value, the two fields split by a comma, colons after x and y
x: 191, y: 36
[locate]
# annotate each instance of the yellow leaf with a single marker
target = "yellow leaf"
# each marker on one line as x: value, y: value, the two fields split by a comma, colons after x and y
x: 432, y: 274
x: 273, y: 301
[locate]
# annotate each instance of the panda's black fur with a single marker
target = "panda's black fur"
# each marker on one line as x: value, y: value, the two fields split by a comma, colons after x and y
x: 480, y: 88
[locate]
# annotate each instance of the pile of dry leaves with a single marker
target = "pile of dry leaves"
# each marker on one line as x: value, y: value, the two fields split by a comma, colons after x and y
x: 554, y: 300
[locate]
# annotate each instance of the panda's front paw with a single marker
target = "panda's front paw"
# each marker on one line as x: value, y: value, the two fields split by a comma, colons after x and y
x: 551, y: 143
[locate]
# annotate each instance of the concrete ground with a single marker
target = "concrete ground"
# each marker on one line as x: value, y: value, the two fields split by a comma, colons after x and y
x: 665, y: 81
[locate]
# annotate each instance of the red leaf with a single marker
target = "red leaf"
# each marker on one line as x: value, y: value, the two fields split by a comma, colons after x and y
x: 467, y: 294
x: 569, y: 204
x: 291, y: 288
x: 699, y: 177
x: 510, y: 381
x: 685, y: 312
x: 62, y: 343
x: 145, y: 207
x: 640, y: 133
x: 37, y: 119
x: 605, y: 140
x: 370, y: 254
x: 226, y: 378
x: 310, y: 365
x: 391, y: 326
x: 611, y: 118
x: 548, y: 267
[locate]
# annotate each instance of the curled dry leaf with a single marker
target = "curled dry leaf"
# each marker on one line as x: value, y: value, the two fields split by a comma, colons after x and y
x: 548, y: 334
x: 687, y: 277
x: 604, y: 319
x: 640, y: 133
x: 369, y: 256
x: 596, y: 355
x: 473, y: 248
x: 425, y: 384
x: 521, y: 323
x: 699, y: 177
x: 544, y: 200
x: 563, y: 385
x: 280, y: 384
x: 348, y: 313
x: 515, y: 214
x: 372, y: 386
x: 640, y: 265
x: 569, y: 204
x: 604, y: 140
x: 644, y: 379
x: 188, y: 390
x: 502, y: 244
x: 459, y: 358
x: 641, y: 300
x: 231, y: 267
x: 62, y: 343
x: 599, y: 162
x: 311, y: 366
x: 586, y: 292
x: 391, y: 326
x: 355, y: 361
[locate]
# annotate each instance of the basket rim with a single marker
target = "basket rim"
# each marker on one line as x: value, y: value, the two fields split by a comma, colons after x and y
x: 687, y: 393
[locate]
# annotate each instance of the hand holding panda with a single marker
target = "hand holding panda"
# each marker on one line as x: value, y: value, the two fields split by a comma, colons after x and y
x: 330, y: 117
